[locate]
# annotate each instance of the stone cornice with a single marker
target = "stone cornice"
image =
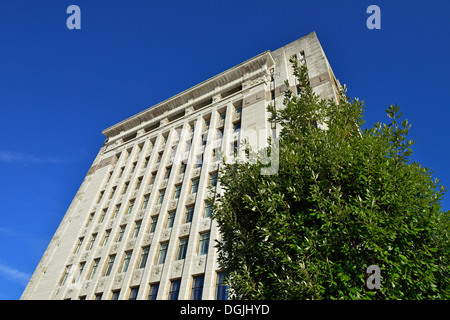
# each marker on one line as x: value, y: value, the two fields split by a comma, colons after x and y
x: 252, y: 68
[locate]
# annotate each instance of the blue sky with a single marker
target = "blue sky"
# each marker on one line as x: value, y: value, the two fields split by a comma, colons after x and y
x: 60, y: 88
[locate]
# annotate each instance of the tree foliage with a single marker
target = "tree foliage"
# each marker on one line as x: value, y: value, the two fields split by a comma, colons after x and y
x: 343, y: 198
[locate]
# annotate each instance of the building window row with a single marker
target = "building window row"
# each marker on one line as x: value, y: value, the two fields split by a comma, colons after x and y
x: 196, y: 291
x: 203, y: 247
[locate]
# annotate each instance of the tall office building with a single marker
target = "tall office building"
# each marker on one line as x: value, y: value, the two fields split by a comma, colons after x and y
x: 139, y: 226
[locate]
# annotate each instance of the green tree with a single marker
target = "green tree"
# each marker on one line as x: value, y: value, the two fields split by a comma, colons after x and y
x: 342, y: 199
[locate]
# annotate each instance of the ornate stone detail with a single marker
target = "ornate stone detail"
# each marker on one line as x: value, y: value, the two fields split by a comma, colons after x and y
x: 173, y: 204
x: 137, y: 275
x: 196, y: 172
x: 99, y: 252
x: 86, y: 285
x: 205, y: 224
x: 163, y: 122
x: 184, y: 230
x: 178, y: 266
x: 118, y: 279
x: 85, y: 256
x: 148, y: 239
x: 156, y: 209
x: 179, y: 178
x: 200, y: 262
x: 114, y: 248
x: 58, y: 291
x: 101, y: 283
x: 130, y: 244
x: 124, y: 220
x: 156, y: 271
x: 191, y: 198
x: 165, y: 234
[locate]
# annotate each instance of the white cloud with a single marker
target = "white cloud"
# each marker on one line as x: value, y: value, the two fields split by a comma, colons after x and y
x: 14, y: 275
x: 24, y: 158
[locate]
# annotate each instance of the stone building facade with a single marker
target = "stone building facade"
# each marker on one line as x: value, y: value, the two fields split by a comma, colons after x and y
x: 139, y: 226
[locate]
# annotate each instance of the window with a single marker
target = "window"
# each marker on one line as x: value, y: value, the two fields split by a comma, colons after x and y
x: 221, y: 288
x: 91, y: 244
x: 80, y: 242
x: 188, y: 146
x: 177, y: 191
x: 146, y: 162
x: 144, y: 256
x: 204, y: 243
x: 65, y: 275
x: 161, y: 196
x: 130, y: 206
x: 137, y: 227
x: 116, y: 211
x: 138, y: 183
x: 237, y: 127
x: 182, y: 248
x: 197, y: 288
x: 113, y: 191
x: 167, y: 173
x: 115, y: 295
x: 219, y: 134
x: 102, y: 217
x: 194, y: 186
x: 174, y: 289
x: 174, y: 151
x: 106, y: 237
x: 238, y: 111
x: 110, y: 264
x: 145, y: 203
x: 133, y: 293
x: 216, y: 154
x: 133, y: 166
x: 125, y: 188
x: 120, y: 235
x: 170, y: 219
x: 234, y: 148
x: 152, y: 179
x: 162, y: 253
x: 94, y: 269
x: 159, y: 157
x: 121, y: 172
x: 91, y: 217
x: 80, y: 271
x: 153, y: 291
x: 127, y: 153
x: 208, y: 209
x: 183, y: 167
x: 153, y: 224
x: 207, y: 123
x: 98, y: 296
x: 126, y: 261
x: 189, y: 214
x: 100, y: 196
x: 213, y: 179
x: 199, y: 161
